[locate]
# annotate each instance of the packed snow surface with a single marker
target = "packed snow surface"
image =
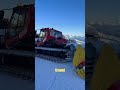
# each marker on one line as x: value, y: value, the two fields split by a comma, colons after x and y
x: 47, y: 79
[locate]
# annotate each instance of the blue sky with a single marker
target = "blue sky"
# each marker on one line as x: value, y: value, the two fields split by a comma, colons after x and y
x: 67, y: 16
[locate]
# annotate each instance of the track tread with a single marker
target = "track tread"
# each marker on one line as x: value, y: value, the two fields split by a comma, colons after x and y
x: 53, y: 59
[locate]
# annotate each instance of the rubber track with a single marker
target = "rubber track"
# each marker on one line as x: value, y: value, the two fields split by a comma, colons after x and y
x: 52, y: 49
x: 53, y: 59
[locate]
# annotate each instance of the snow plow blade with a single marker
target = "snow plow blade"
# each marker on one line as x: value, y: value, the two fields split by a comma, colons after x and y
x: 78, y: 58
x: 106, y: 71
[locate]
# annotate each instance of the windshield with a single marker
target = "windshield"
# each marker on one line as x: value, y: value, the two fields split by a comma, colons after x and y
x: 17, y: 23
x: 57, y: 34
x: 42, y: 34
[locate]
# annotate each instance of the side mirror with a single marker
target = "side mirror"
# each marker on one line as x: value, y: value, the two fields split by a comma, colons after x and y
x: 1, y: 14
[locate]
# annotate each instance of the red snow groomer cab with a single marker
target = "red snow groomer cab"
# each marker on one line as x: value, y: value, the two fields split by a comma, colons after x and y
x: 19, y: 31
x: 51, y: 38
x: 53, y: 45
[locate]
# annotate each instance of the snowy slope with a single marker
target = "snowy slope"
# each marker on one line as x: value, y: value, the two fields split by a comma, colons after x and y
x: 48, y: 79
x: 107, y: 34
x: 74, y: 37
x: 78, y: 39
x: 107, y: 29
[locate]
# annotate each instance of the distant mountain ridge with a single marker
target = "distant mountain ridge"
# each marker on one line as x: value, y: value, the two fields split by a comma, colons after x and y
x: 108, y: 29
x: 73, y: 37
x: 76, y: 38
